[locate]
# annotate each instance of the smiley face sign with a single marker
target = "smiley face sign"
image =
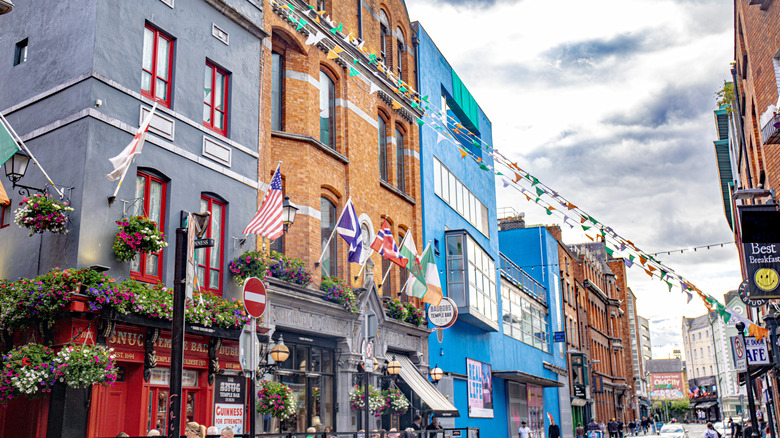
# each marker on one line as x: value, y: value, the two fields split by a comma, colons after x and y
x: 766, y: 279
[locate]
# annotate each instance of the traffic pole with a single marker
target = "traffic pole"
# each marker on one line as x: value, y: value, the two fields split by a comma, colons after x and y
x: 252, y: 378
x: 177, y: 334
x: 740, y: 326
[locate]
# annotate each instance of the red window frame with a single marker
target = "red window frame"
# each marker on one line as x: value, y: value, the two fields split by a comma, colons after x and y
x: 5, y: 215
x: 206, y: 262
x: 211, y: 105
x: 141, y: 275
x: 151, y: 93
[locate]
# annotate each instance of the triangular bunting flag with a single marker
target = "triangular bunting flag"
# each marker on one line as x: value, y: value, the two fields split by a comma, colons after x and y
x: 420, y: 121
x: 314, y: 38
x: 642, y: 259
x: 439, y: 137
x: 690, y: 296
x: 353, y: 72
x: 539, y: 191
x: 669, y: 284
x: 629, y: 263
x: 332, y: 54
x: 396, y: 105
x: 610, y: 251
x: 649, y: 273
x: 301, y: 23
x: 462, y: 153
x: 337, y: 29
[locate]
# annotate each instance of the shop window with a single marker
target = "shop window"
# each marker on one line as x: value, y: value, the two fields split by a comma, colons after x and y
x: 157, y: 65
x: 327, y: 110
x: 150, y: 203
x: 20, y: 52
x: 5, y: 214
x: 382, y: 132
x: 328, y: 220
x: 210, y: 260
x: 471, y: 279
x: 400, y: 166
x: 215, y: 100
x: 277, y: 90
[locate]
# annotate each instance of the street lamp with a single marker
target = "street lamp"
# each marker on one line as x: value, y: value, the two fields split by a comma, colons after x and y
x: 393, y: 367
x: 6, y: 6
x: 288, y: 213
x: 16, y: 166
x: 436, y: 374
x: 278, y: 354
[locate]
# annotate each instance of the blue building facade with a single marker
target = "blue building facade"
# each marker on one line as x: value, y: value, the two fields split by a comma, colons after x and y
x: 493, y: 379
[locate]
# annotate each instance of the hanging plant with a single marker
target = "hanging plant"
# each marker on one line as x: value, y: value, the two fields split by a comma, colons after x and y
x: 289, y: 269
x: 81, y: 366
x: 41, y: 213
x: 275, y: 399
x: 397, y: 404
x: 247, y: 265
x: 377, y: 403
x: 26, y: 370
x: 414, y: 315
x: 137, y: 234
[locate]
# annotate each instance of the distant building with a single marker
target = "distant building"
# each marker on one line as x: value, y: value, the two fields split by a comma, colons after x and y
x: 731, y: 393
x: 667, y: 379
x: 700, y: 340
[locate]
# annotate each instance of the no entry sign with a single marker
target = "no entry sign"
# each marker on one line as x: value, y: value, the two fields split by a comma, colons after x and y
x: 254, y: 297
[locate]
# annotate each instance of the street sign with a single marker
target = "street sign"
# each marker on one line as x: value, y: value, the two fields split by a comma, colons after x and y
x: 204, y: 243
x: 370, y: 350
x: 443, y: 315
x: 248, y: 349
x: 738, y: 352
x: 229, y: 402
x: 254, y: 297
x: 559, y: 336
x: 744, y: 295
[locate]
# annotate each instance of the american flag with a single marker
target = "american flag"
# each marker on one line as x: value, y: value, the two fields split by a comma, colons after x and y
x: 268, y: 220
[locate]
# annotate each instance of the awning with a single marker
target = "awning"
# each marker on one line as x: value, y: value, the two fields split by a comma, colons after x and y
x: 576, y: 402
x: 521, y: 377
x: 425, y: 389
x: 706, y: 405
x: 645, y: 403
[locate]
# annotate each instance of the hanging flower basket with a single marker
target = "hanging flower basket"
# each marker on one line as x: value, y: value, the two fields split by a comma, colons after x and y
x: 377, y: 403
x: 41, y: 213
x: 275, y: 399
x: 32, y: 369
x: 137, y: 234
x: 397, y: 404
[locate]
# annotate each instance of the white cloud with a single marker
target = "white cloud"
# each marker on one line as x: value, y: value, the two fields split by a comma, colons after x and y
x: 610, y: 104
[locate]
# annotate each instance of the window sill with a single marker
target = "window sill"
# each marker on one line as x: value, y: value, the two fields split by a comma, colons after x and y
x: 312, y: 141
x: 395, y: 190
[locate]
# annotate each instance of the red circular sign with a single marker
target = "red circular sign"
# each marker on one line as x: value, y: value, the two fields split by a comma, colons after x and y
x: 254, y: 297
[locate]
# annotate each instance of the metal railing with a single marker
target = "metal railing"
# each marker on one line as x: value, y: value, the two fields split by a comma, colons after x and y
x: 523, y: 280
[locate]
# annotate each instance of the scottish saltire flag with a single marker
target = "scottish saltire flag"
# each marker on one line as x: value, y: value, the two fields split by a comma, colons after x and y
x: 348, y: 228
x: 385, y: 245
x: 268, y: 219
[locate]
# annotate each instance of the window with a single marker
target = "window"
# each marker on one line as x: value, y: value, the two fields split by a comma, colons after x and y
x: 471, y: 276
x: 525, y: 319
x: 150, y: 203
x: 327, y: 110
x: 6, y: 213
x: 459, y: 197
x: 382, y: 149
x: 399, y: 160
x: 215, y: 85
x: 157, y: 66
x: 328, y: 220
x: 383, y: 34
x: 209, y: 260
x: 400, y: 44
x: 694, y: 355
x: 277, y: 90
x: 20, y: 53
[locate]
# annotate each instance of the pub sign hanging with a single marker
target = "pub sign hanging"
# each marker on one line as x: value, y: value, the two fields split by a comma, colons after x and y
x: 761, y: 250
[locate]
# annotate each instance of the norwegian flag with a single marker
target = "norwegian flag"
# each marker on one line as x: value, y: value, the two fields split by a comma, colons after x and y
x: 268, y: 220
x: 385, y: 245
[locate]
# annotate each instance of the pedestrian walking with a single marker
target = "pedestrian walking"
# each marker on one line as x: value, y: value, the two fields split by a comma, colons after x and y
x: 524, y: 431
x: 620, y: 428
x: 553, y: 431
x: 632, y: 427
x: 579, y: 432
x: 711, y: 432
x: 612, y: 428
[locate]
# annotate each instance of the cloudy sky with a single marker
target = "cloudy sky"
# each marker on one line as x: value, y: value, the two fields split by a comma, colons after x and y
x: 610, y: 103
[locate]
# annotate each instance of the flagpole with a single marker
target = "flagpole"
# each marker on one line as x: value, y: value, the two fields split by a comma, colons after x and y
x: 386, y: 273
x: 35, y: 160
x: 112, y: 198
x: 325, y: 248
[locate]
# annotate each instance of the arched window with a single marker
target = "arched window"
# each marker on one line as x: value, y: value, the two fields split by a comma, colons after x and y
x: 277, y: 90
x: 384, y: 30
x: 150, y: 203
x: 209, y: 260
x: 382, y: 148
x: 399, y: 160
x: 327, y: 110
x: 400, y: 50
x: 327, y: 224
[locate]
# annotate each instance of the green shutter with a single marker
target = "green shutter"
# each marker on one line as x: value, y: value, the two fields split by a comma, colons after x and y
x: 465, y: 106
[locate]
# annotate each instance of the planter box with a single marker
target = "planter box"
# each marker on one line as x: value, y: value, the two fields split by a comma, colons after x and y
x: 164, y: 324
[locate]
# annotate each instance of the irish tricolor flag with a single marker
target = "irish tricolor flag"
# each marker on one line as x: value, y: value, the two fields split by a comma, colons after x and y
x: 428, y: 261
